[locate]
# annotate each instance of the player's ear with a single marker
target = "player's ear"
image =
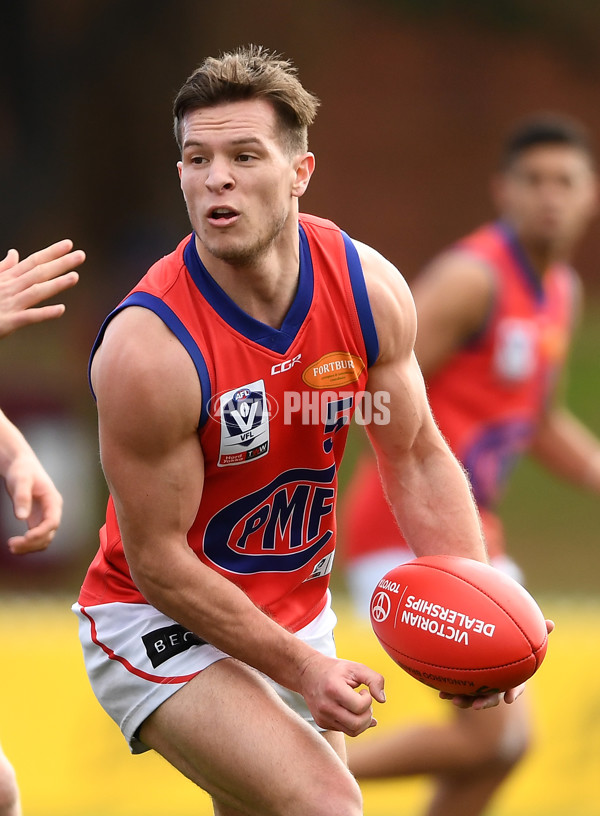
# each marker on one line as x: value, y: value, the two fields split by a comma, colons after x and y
x: 304, y: 168
x: 179, y: 169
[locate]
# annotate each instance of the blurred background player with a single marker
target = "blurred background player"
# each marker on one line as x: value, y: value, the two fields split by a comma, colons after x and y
x: 495, y: 315
x: 35, y: 499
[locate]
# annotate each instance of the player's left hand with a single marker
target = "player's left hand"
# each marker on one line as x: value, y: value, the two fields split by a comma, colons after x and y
x: 489, y: 700
x: 36, y: 501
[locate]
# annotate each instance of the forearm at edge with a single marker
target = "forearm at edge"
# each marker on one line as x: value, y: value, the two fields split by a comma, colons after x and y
x: 219, y: 612
x: 567, y: 448
x: 432, y: 500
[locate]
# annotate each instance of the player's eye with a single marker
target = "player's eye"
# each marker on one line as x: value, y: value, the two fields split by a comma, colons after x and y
x: 244, y: 158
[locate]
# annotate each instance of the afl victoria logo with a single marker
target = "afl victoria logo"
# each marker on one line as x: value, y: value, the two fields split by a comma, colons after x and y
x: 380, y: 606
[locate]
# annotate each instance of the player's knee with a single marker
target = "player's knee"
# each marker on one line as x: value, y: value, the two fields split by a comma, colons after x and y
x: 507, y: 748
x: 349, y: 802
x: 513, y: 745
x: 341, y: 796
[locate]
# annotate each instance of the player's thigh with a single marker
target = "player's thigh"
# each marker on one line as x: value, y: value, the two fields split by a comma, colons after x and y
x: 230, y: 733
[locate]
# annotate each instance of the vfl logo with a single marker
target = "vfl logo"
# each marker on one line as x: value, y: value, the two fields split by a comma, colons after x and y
x: 380, y: 606
x: 244, y: 417
x: 281, y: 527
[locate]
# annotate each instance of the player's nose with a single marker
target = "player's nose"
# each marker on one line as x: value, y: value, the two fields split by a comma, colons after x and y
x: 219, y: 176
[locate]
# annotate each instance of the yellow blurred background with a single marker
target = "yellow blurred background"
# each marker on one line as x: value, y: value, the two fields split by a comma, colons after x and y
x: 72, y: 761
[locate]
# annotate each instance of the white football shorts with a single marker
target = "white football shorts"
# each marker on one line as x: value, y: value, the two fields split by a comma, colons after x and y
x: 136, y: 658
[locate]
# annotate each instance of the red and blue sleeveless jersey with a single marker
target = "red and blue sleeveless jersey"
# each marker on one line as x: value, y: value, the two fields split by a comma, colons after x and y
x: 276, y: 404
x: 489, y: 396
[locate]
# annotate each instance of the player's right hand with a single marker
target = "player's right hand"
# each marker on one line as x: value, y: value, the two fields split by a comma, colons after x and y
x: 340, y: 693
x: 490, y: 700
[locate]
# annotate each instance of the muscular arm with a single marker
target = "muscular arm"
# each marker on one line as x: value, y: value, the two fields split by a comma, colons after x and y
x: 425, y: 484
x: 148, y: 405
x: 563, y: 444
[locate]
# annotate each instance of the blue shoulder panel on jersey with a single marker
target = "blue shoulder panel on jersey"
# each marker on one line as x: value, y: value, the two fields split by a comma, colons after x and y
x: 524, y: 265
x: 168, y: 316
x: 278, y: 340
x: 361, y: 299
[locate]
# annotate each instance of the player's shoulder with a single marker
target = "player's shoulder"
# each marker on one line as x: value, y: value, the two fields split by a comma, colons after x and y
x: 146, y: 388
x: 451, y: 274
x: 473, y: 259
x: 390, y: 299
x: 460, y: 265
x: 381, y: 276
x: 139, y: 352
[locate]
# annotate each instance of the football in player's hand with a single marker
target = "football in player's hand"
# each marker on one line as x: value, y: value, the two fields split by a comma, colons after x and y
x: 458, y: 625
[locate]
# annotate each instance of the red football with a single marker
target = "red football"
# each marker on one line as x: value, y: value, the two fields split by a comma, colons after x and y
x: 458, y: 625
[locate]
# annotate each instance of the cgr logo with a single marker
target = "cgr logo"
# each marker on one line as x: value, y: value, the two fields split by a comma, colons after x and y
x: 380, y: 606
x: 279, y: 368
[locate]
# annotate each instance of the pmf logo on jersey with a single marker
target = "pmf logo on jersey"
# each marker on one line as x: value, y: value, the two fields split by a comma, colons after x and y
x: 244, y: 419
x: 280, y: 527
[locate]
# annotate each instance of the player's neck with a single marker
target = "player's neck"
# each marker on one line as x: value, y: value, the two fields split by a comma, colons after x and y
x: 266, y: 286
x: 542, y: 257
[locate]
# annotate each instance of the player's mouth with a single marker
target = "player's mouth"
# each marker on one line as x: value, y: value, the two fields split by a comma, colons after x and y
x: 222, y: 216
